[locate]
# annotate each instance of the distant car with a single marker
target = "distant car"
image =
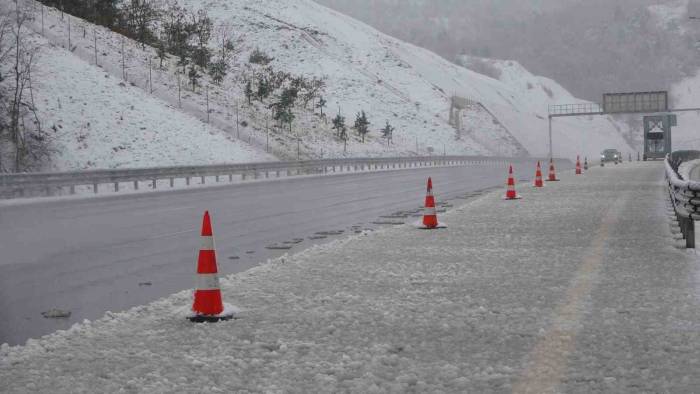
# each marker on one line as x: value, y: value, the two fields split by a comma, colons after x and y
x: 609, y: 155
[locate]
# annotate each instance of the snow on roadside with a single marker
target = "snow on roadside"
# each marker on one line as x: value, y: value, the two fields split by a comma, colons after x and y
x: 685, y: 168
x: 96, y: 121
x: 454, y: 310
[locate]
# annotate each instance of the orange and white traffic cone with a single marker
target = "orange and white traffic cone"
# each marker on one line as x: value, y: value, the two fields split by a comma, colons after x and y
x: 538, y: 176
x: 552, y: 173
x: 208, y: 306
x: 430, y: 220
x: 510, y: 192
x: 578, y: 166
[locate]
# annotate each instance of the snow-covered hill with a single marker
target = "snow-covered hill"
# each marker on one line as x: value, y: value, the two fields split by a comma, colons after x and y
x: 97, y: 121
x: 406, y: 84
x: 364, y: 70
x: 526, y: 98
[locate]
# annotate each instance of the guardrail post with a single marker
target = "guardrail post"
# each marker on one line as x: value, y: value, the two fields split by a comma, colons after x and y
x: 155, y: 181
x: 116, y: 187
x: 689, y: 225
x: 94, y: 186
x: 172, y: 182
x: 187, y: 180
x: 278, y: 173
x: 72, y: 189
x: 217, y: 179
x: 230, y: 178
x: 136, y: 185
x: 204, y: 180
x: 243, y: 176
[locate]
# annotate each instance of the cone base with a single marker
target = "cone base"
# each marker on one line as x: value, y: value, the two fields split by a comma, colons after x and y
x: 553, y: 180
x: 419, y: 225
x: 209, y: 318
x: 229, y: 312
x: 518, y: 197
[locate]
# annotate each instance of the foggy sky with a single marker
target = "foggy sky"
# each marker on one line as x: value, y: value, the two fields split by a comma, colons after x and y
x: 589, y: 46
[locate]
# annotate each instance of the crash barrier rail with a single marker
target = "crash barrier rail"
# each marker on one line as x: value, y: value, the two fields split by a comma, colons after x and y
x: 684, y: 194
x: 33, y: 184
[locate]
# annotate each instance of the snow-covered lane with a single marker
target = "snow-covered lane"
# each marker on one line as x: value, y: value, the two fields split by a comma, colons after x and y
x: 510, y: 288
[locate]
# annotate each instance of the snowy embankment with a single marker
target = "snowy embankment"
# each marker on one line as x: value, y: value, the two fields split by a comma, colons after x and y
x: 686, y: 167
x: 363, y: 70
x: 570, y: 288
x: 97, y: 121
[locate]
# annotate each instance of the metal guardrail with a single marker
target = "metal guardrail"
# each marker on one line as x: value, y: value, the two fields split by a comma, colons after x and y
x: 32, y: 184
x: 684, y: 194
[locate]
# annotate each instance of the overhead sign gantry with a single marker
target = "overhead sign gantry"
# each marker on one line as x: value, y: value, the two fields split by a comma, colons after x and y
x: 655, y: 103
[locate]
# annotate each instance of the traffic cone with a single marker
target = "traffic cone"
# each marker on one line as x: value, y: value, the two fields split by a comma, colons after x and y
x: 585, y: 163
x: 552, y: 173
x: 578, y: 166
x: 538, y: 176
x: 510, y: 192
x: 208, y: 306
x: 430, y: 220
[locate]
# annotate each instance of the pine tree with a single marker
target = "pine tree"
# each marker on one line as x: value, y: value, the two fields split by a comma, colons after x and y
x: 361, y: 124
x: 388, y: 132
x: 288, y: 97
x: 339, y: 124
x: 286, y: 116
x: 218, y: 71
x: 249, y: 92
x: 201, y: 28
x: 194, y: 76
x: 321, y: 104
x: 162, y: 53
x: 263, y: 89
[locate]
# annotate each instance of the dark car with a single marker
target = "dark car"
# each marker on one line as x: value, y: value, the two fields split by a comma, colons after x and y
x: 610, y: 155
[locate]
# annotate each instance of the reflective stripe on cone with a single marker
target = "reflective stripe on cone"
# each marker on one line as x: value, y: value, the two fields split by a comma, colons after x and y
x: 510, y: 191
x: 552, y: 173
x: 430, y: 213
x: 538, y: 176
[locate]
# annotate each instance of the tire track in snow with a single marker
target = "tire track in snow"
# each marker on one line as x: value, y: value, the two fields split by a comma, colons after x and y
x: 547, y: 363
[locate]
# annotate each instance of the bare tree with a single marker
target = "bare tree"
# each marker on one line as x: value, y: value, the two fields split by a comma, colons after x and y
x: 224, y: 39
x: 141, y: 14
x: 19, y: 55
